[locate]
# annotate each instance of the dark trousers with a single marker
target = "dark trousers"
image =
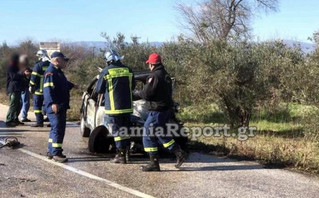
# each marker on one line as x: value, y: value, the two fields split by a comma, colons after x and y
x: 14, y: 108
x: 156, y: 121
x: 114, y: 124
x: 57, y: 132
x: 37, y: 108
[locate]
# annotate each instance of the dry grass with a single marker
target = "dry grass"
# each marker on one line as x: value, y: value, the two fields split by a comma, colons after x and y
x: 75, y: 106
x: 271, y: 150
x: 280, y: 141
x: 4, y: 98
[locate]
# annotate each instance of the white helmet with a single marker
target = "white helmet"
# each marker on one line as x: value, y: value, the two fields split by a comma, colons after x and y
x: 43, y: 55
x: 112, y: 55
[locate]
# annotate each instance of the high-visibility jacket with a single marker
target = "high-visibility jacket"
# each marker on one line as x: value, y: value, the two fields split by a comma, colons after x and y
x: 37, y: 76
x: 116, y: 81
x: 56, y: 89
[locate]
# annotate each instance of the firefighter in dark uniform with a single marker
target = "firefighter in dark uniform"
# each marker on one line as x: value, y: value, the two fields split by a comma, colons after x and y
x: 36, y: 85
x: 56, y: 92
x: 116, y: 82
x: 158, y: 91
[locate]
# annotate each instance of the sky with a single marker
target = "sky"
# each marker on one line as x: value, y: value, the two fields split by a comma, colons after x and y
x: 152, y: 20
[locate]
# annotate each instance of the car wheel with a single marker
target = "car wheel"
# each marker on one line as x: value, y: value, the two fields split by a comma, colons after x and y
x: 100, y: 142
x: 85, y: 132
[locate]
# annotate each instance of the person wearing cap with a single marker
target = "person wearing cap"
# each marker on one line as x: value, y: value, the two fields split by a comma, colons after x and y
x: 25, y: 94
x: 158, y: 91
x: 116, y: 82
x: 56, y: 92
x: 36, y: 85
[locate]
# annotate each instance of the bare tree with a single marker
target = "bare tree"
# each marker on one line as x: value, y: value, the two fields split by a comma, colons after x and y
x: 316, y: 38
x: 222, y: 19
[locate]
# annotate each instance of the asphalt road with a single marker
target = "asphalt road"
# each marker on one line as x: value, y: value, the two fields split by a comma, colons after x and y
x: 25, y: 172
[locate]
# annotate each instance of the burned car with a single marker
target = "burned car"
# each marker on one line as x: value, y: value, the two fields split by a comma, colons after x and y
x: 93, y: 126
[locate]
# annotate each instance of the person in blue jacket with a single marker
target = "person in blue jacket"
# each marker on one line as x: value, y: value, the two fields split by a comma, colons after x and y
x: 36, y: 85
x: 56, y: 92
x: 116, y: 82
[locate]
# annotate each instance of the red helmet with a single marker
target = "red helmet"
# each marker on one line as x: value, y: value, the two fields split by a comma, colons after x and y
x: 154, y: 59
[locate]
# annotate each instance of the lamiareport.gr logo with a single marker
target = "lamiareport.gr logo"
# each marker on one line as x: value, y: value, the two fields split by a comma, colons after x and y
x: 193, y: 133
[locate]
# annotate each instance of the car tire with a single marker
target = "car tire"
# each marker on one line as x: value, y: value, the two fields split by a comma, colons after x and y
x: 85, y: 132
x: 100, y: 142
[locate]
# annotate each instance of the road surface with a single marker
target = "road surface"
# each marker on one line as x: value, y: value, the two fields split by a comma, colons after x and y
x: 25, y: 172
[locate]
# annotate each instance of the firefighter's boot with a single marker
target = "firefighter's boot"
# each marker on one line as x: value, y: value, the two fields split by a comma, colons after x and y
x: 120, y: 157
x: 181, y: 155
x: 60, y: 158
x: 153, y: 165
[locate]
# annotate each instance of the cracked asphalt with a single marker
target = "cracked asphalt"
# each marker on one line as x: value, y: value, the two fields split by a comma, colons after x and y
x: 88, y: 175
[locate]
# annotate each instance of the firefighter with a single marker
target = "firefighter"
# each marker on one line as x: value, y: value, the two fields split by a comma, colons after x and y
x: 56, y: 92
x: 36, y: 85
x: 116, y: 82
x: 158, y: 91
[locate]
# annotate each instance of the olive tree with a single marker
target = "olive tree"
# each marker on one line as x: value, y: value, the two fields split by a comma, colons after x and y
x: 222, y: 19
x: 241, y: 76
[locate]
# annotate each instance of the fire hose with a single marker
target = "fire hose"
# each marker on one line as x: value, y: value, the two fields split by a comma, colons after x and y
x: 10, y: 142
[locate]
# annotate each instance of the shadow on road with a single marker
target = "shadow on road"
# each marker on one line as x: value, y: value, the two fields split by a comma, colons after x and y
x: 10, y: 130
x: 88, y: 159
x: 187, y: 169
x: 2, y: 124
x: 219, y: 168
x: 25, y: 128
x: 15, y: 147
x: 72, y: 125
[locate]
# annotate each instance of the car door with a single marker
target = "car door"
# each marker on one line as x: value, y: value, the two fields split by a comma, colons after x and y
x: 100, y: 112
x: 91, y: 108
x: 85, y: 99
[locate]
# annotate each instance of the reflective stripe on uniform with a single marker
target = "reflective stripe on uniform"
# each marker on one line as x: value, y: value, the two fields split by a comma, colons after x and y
x: 50, y: 140
x: 49, y: 84
x: 116, y: 139
x: 119, y: 111
x: 37, y: 111
x: 41, y: 84
x: 168, y: 144
x: 56, y: 145
x: 111, y: 90
x: 44, y: 68
x: 32, y: 83
x: 36, y: 74
x: 150, y: 149
x: 38, y: 93
x: 117, y: 73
